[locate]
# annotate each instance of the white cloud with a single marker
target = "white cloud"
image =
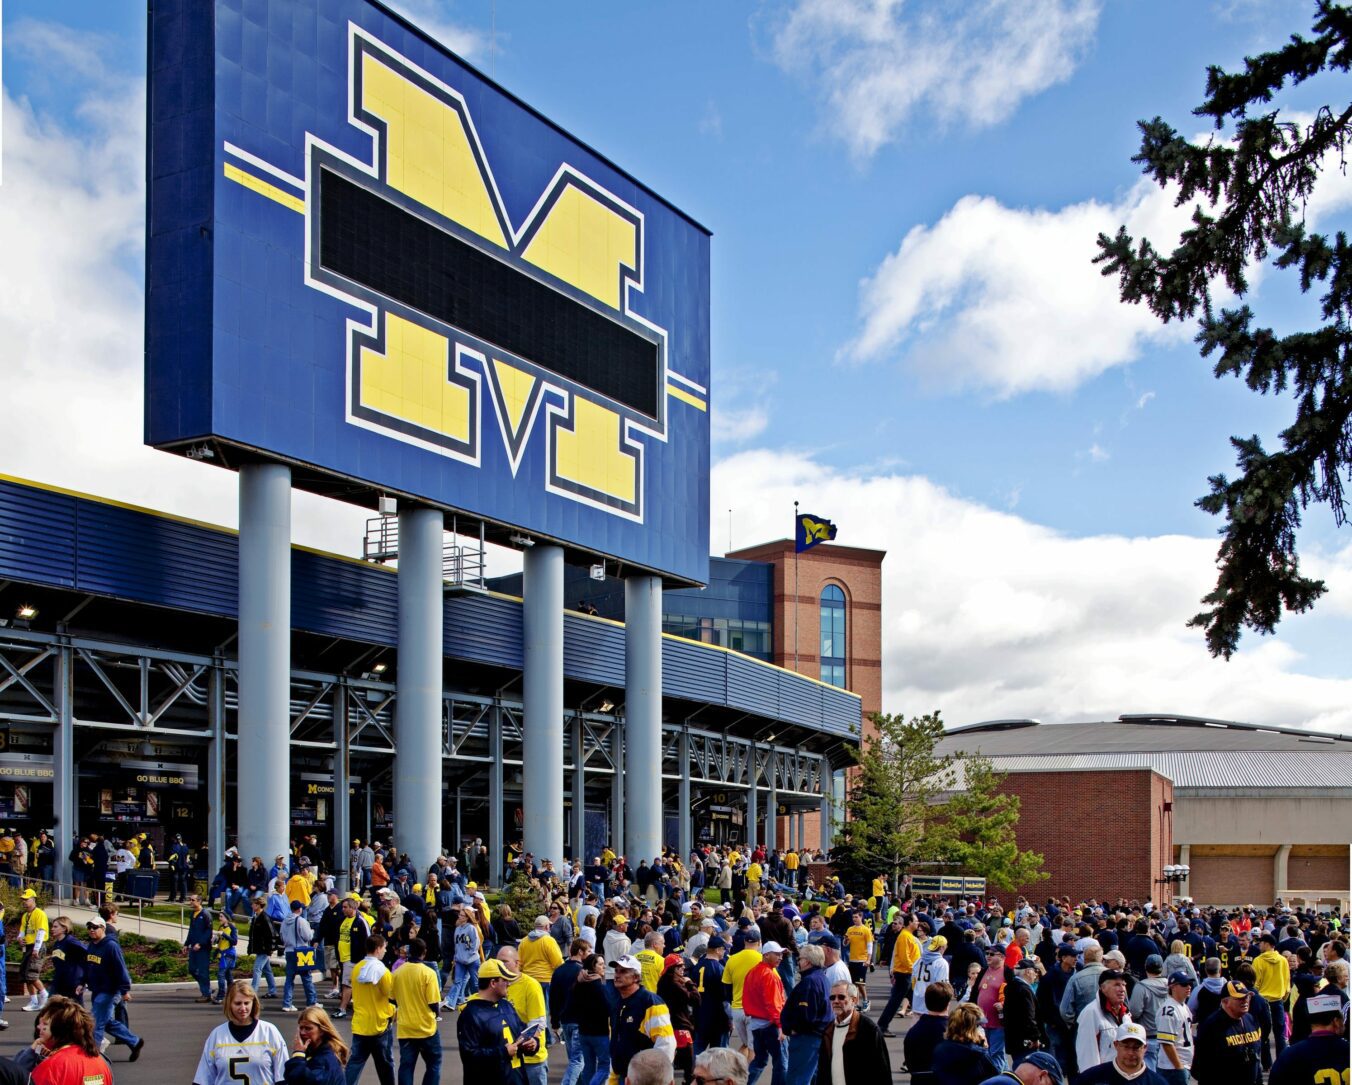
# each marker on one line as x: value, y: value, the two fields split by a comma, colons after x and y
x: 1008, y: 299
x: 1144, y: 398
x: 72, y: 214
x: 883, y: 62
x: 988, y: 615
x: 431, y: 17
x: 1097, y: 453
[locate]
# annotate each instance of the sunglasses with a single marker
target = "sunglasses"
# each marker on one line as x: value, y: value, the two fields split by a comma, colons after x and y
x: 840, y: 998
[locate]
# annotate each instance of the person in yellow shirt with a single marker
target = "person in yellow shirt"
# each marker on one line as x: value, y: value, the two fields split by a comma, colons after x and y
x: 651, y: 958
x: 791, y: 865
x: 754, y: 873
x: 539, y: 954
x: 1272, y: 979
x: 372, y: 1009
x: 879, y: 888
x: 859, y: 951
x: 299, y: 887
x: 34, y: 933
x: 416, y: 990
x: 904, y: 957
x: 735, y: 972
x: 528, y: 999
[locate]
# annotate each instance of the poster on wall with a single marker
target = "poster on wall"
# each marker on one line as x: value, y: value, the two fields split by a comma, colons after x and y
x: 152, y: 804
x: 106, y: 802
x: 23, y: 799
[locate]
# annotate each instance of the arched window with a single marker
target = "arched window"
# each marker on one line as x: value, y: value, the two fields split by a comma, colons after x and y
x: 833, y: 636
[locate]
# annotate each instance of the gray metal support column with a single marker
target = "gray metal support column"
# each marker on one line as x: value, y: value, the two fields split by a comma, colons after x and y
x: 643, y: 716
x: 828, y: 805
x: 418, y: 708
x: 542, y: 688
x: 753, y: 804
x: 495, y: 840
x: 578, y: 827
x: 65, y: 802
x: 772, y: 814
x: 801, y: 820
x: 617, y: 791
x: 685, y: 842
x: 216, y: 756
x: 342, y: 784
x: 263, y: 787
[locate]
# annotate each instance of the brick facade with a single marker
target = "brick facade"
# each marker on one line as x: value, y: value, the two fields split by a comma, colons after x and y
x: 1101, y: 834
x: 1231, y: 879
x: 859, y: 574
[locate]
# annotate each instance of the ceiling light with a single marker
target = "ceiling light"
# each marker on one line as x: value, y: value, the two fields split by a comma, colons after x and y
x: 380, y: 668
x: 606, y: 706
x: 27, y: 612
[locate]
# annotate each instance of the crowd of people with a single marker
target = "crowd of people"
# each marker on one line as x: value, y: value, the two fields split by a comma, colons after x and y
x: 641, y: 974
x: 625, y: 959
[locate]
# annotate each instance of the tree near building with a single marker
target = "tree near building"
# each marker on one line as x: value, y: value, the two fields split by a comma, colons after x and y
x: 909, y: 807
x: 1251, y: 187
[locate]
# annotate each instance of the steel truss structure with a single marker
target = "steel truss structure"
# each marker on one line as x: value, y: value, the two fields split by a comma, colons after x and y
x: 88, y: 692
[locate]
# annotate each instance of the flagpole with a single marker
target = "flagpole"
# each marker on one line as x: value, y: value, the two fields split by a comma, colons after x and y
x: 795, y: 585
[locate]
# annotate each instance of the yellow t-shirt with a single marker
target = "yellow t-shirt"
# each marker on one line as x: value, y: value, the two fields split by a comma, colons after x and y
x: 298, y: 888
x: 31, y: 923
x: 371, y: 1008
x: 528, y: 999
x: 651, y: 960
x: 416, y: 988
x: 860, y: 941
x: 345, y: 940
x: 735, y: 972
x: 879, y: 888
x: 791, y: 860
x: 539, y: 957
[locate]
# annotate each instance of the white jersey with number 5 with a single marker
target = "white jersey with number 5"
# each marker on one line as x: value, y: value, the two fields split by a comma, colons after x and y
x: 258, y: 1059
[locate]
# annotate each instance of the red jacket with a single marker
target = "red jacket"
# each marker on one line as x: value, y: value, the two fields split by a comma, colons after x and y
x: 763, y: 993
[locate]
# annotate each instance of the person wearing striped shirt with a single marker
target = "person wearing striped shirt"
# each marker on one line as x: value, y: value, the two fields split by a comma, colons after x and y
x: 639, y: 1022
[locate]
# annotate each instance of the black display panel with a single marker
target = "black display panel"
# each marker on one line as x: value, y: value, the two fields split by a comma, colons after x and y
x: 376, y: 244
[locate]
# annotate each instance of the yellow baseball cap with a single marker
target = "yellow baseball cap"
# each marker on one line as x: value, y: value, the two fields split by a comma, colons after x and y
x: 27, y: 894
x: 494, y: 969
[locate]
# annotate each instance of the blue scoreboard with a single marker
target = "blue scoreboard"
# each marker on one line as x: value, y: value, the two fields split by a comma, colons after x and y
x: 368, y: 261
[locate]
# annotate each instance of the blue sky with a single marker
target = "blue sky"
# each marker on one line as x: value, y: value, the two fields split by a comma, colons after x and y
x: 908, y: 335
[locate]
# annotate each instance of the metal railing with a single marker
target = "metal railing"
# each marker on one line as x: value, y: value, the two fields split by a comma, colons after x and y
x: 64, y: 893
x: 463, y: 564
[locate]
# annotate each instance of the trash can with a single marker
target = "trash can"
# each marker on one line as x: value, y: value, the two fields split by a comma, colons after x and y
x: 142, y: 883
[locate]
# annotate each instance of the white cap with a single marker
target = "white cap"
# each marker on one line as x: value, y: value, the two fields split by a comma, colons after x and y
x: 1323, y: 1003
x: 772, y: 947
x: 630, y: 963
x: 1131, y: 1031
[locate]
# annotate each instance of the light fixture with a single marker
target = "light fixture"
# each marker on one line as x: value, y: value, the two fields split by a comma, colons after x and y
x: 598, y: 572
x: 26, y: 612
x: 605, y: 706
x: 521, y: 540
x: 201, y: 452
x: 380, y: 668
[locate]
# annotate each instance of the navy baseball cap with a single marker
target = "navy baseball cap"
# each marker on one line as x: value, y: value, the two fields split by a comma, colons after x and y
x: 1043, y: 1061
x: 829, y: 940
x: 1183, y: 979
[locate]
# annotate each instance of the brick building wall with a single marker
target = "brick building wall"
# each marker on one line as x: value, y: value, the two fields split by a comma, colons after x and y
x: 1319, y: 872
x: 1101, y: 834
x: 858, y: 573
x: 1231, y: 879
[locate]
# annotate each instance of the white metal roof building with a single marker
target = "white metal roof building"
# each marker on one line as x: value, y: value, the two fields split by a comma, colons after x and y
x: 1259, y: 813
